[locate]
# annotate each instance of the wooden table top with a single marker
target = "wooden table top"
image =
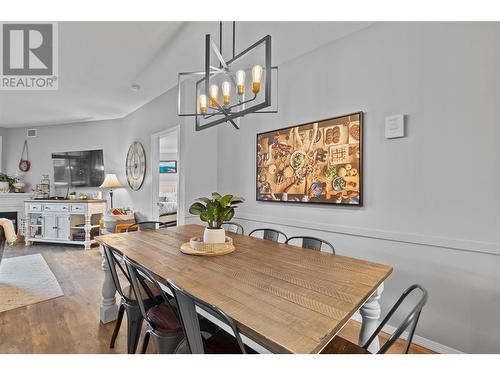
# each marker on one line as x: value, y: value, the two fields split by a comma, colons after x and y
x: 287, y: 299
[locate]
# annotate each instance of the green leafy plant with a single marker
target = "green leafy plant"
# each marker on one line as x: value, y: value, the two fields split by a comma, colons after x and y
x: 217, y: 210
x: 5, y: 178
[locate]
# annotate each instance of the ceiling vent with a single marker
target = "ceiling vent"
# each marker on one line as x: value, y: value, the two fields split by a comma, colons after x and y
x: 31, y: 133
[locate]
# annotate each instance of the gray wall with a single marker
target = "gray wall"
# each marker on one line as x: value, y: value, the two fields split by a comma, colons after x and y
x: 431, y: 199
x: 114, y: 137
x: 3, y: 133
x: 70, y: 137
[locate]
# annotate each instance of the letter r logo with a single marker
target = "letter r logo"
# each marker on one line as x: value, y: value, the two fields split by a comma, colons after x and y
x: 27, y: 49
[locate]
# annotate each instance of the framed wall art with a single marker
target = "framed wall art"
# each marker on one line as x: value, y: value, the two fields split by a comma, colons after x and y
x: 168, y: 166
x: 316, y: 162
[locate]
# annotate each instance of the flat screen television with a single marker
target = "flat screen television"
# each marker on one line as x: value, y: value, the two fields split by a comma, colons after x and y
x: 78, y: 168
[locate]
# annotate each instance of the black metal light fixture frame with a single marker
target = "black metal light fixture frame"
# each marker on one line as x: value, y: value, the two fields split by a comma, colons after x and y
x: 226, y: 113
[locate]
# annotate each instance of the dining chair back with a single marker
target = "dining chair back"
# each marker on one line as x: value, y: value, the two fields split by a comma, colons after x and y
x: 138, y: 276
x: 2, y: 242
x: 161, y: 318
x: 409, y: 322
x: 145, y: 225
x: 313, y: 243
x: 113, y: 260
x: 269, y: 234
x: 233, y: 227
x: 127, y: 303
x: 339, y: 345
x: 186, y: 304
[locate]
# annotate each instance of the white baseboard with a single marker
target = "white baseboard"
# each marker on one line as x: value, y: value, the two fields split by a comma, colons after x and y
x: 422, y: 341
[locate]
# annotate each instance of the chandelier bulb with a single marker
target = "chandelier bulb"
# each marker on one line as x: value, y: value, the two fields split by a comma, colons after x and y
x: 240, y: 81
x: 214, y: 95
x: 256, y: 78
x: 202, y: 100
x: 226, y: 92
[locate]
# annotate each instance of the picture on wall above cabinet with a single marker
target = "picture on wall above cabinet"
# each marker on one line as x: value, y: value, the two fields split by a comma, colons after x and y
x: 317, y: 162
x: 168, y: 166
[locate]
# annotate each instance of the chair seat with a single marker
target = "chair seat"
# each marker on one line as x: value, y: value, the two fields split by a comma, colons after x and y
x: 128, y: 291
x: 223, y: 343
x: 163, y: 318
x: 339, y: 345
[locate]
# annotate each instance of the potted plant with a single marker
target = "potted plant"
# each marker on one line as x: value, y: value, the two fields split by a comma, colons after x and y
x: 5, y: 182
x: 214, y: 212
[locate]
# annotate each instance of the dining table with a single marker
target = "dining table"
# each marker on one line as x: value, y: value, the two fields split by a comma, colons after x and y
x: 283, y: 298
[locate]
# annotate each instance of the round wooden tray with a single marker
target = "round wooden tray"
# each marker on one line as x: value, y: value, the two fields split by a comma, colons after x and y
x: 187, y: 249
x: 197, y: 243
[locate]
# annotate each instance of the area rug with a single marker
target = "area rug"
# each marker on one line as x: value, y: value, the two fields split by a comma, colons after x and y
x: 26, y: 280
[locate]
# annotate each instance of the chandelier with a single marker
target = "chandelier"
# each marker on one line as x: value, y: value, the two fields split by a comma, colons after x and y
x: 229, y: 89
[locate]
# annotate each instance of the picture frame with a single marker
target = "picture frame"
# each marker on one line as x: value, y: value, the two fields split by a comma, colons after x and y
x: 292, y: 167
x: 168, y: 166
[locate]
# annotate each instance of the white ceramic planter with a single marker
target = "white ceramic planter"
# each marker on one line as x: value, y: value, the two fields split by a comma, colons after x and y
x: 214, y: 235
x: 4, y: 186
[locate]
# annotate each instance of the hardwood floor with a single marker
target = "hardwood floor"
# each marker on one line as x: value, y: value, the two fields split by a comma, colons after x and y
x: 70, y: 324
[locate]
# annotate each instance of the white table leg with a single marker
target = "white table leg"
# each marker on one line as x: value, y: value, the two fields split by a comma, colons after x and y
x: 370, y: 314
x: 87, y: 227
x: 27, y: 229
x: 109, y: 308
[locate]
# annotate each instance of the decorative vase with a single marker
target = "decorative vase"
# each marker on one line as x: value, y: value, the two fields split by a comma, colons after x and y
x: 19, y: 186
x: 214, y: 235
x: 4, y: 186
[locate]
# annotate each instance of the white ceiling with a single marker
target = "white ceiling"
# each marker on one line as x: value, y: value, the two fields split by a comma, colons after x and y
x: 99, y: 61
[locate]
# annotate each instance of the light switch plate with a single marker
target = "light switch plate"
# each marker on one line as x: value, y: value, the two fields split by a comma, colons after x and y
x: 395, y: 126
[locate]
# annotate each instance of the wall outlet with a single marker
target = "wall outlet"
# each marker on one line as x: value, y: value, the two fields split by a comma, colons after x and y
x: 395, y: 126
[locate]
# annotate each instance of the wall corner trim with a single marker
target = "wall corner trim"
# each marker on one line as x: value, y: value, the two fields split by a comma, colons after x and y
x: 491, y: 248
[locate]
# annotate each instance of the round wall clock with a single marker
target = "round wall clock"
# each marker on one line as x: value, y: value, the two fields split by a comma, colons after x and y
x: 136, y: 165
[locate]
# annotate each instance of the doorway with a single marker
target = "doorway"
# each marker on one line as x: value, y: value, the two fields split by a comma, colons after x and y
x: 165, y: 172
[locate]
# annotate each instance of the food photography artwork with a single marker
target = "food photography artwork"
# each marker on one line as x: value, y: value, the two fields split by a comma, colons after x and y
x: 317, y: 162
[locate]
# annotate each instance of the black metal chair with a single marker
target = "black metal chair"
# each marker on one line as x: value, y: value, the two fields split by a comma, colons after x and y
x: 313, y: 243
x: 195, y: 343
x: 128, y: 303
x: 162, y: 323
x: 146, y: 225
x: 2, y: 243
x: 233, y: 227
x: 269, y: 234
x: 339, y: 345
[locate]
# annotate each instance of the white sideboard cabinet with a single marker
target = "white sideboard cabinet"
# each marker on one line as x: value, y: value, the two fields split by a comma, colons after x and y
x: 63, y: 221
